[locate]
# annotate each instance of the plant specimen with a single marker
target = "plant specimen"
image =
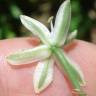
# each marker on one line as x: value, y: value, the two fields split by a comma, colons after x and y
x: 50, y: 50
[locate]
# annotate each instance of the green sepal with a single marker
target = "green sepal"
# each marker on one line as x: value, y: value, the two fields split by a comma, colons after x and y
x: 62, y: 23
x: 70, y: 69
x: 29, y: 55
x: 36, y: 28
x: 43, y: 75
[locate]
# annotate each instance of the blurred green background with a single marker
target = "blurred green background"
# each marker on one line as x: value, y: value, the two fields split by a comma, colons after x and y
x: 83, y: 16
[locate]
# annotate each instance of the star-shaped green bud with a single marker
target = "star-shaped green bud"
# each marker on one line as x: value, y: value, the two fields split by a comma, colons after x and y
x: 50, y: 50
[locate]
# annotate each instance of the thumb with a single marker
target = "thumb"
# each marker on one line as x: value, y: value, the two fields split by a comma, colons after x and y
x: 18, y: 81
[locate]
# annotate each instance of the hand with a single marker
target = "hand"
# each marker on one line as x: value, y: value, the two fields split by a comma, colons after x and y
x: 17, y: 80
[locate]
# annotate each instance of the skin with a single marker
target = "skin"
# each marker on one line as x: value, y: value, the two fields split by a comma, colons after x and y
x: 17, y: 80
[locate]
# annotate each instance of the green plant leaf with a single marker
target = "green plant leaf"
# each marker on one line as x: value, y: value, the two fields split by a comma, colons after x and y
x: 62, y: 24
x: 70, y: 69
x: 43, y: 75
x: 36, y: 28
x: 71, y: 36
x: 29, y: 55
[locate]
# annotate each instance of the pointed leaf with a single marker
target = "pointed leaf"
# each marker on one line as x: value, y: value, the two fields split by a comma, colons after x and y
x: 70, y: 69
x: 71, y: 36
x: 75, y: 69
x: 43, y: 75
x: 29, y: 55
x: 36, y: 28
x: 62, y: 24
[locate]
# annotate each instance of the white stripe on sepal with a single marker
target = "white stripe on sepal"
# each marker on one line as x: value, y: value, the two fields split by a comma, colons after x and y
x: 62, y: 23
x: 43, y: 75
x: 36, y: 28
x: 29, y: 55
